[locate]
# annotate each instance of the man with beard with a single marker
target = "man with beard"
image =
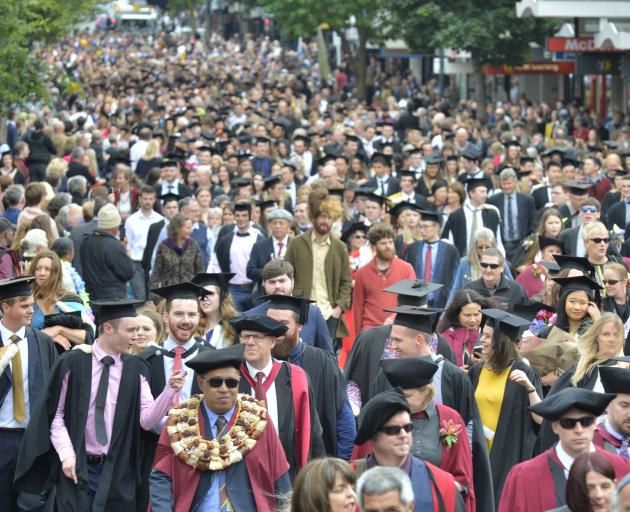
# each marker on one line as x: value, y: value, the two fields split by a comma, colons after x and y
x: 384, y: 270
x: 322, y: 268
x: 181, y: 317
x: 331, y: 402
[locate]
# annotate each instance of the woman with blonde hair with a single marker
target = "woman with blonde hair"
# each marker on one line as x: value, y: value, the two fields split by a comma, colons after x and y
x: 58, y: 166
x: 324, y: 485
x: 215, y: 309
x: 596, y: 242
x: 150, y: 159
x: 151, y: 330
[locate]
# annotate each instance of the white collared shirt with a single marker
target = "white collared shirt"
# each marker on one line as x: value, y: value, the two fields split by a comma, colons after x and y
x: 565, y: 459
x: 169, y: 345
x: 137, y: 230
x: 285, y: 242
x: 272, y: 397
x: 6, y: 410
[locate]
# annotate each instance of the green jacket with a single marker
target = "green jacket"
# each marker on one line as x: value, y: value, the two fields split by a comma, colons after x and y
x: 338, y: 277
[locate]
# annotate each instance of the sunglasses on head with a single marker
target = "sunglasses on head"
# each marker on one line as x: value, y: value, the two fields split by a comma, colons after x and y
x: 394, y: 430
x: 600, y: 240
x: 493, y: 266
x: 570, y: 423
x: 589, y: 209
x: 217, y: 382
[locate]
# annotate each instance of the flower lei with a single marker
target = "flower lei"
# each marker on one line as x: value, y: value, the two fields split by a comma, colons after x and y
x: 202, y: 454
x: 449, y: 432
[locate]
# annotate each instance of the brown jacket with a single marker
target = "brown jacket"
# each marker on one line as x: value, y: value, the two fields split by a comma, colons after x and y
x: 338, y: 277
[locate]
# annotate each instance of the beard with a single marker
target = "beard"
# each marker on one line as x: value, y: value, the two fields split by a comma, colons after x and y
x: 322, y: 228
x: 284, y: 347
x: 385, y: 255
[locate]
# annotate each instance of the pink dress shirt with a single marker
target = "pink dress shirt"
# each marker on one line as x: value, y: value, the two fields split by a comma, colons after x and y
x: 151, y: 411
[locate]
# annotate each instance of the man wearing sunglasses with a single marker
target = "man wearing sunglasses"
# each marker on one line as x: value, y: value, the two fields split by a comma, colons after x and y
x: 248, y: 484
x: 572, y: 413
x: 572, y: 237
x: 385, y: 422
x: 493, y: 283
x: 613, y: 434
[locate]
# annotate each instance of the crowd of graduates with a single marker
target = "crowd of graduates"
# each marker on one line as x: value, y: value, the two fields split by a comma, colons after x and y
x: 228, y: 285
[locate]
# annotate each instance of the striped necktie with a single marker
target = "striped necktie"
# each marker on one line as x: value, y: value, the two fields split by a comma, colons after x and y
x: 224, y: 500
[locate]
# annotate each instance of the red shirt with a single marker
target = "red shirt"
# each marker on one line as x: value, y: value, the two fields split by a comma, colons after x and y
x: 368, y: 298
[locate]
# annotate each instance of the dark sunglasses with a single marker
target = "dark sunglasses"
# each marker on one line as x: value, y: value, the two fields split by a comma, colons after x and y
x: 394, y: 430
x: 589, y: 209
x: 570, y: 423
x: 217, y: 382
x: 610, y: 281
x: 493, y: 266
x: 600, y: 240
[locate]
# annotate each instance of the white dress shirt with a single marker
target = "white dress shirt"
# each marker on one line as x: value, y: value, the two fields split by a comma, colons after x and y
x: 6, y: 410
x: 285, y: 242
x: 566, y: 460
x: 137, y: 229
x: 169, y: 345
x: 137, y: 151
x: 271, y: 395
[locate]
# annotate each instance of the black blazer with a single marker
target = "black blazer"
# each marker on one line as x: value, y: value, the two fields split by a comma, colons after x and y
x: 152, y: 238
x: 569, y: 237
x: 456, y: 226
x: 617, y: 215
x: 392, y: 186
x: 182, y: 190
x: 222, y: 250
x: 262, y: 253
x: 542, y: 196
x: 525, y: 207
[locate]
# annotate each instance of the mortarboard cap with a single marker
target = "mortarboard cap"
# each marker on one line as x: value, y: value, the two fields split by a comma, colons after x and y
x: 470, y: 153
x: 409, y: 372
x: 352, y: 229
x: 209, y: 360
x: 553, y: 151
x: 551, y: 266
x: 303, y: 138
x: 378, y: 411
x: 396, y: 210
x: 575, y: 262
x: 512, y: 143
x: 554, y: 406
x: 577, y: 188
x: 407, y: 174
x: 263, y: 139
x: 241, y: 182
x: 169, y: 196
x: 433, y: 160
x: 220, y: 279
x: 242, y: 207
x: 569, y: 161
x: 328, y: 157
x: 577, y: 283
x: 185, y: 290
x: 431, y: 216
x: 420, y: 319
x: 270, y: 181
x: 371, y: 196
x: 16, y: 287
x: 363, y: 191
x: 529, y: 310
x: 336, y: 192
x: 615, y: 379
x: 507, y: 323
x: 169, y: 161
x: 298, y: 305
x: 546, y: 241
x: 107, y: 310
x: 473, y: 183
x: 266, y: 203
x: 413, y: 292
x: 258, y: 323
x: 382, y: 158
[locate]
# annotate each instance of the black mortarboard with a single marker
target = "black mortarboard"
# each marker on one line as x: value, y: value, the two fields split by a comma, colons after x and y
x: 554, y: 406
x: 258, y: 323
x: 473, y: 183
x: 470, y: 153
x: 270, y: 181
x: 17, y: 287
x: 220, y: 279
x: 569, y: 161
x: 264, y: 139
x: 420, y: 319
x: 577, y: 283
x: 507, y: 323
x: 337, y: 192
x: 122, y: 160
x: 433, y: 160
x: 577, y: 188
x: 378, y: 411
x: 298, y: 305
x: 169, y: 196
x: 371, y: 196
x: 409, y: 372
x: 396, y: 210
x: 615, y: 379
x: 185, y: 290
x: 303, y: 138
x: 529, y: 310
x: 382, y: 158
x: 107, y: 310
x: 512, y: 143
x: 407, y: 174
x: 328, y: 157
x: 551, y: 266
x: 546, y: 241
x: 363, y: 191
x: 553, y: 151
x: 452, y: 157
x: 525, y: 159
x: 352, y: 229
x: 169, y: 161
x: 241, y: 182
x: 213, y: 359
x: 413, y: 292
x: 266, y: 203
x: 431, y: 216
x: 575, y: 262
x: 242, y: 207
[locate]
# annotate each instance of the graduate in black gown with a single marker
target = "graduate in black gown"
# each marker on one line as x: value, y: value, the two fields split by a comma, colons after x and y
x: 329, y: 386
x: 453, y: 389
x: 84, y: 437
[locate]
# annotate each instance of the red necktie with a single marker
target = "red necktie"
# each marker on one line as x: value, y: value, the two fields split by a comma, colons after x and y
x: 427, y: 264
x: 177, y: 365
x: 280, y: 246
x: 259, y: 389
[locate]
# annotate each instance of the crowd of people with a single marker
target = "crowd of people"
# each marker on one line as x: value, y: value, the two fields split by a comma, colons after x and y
x: 228, y: 285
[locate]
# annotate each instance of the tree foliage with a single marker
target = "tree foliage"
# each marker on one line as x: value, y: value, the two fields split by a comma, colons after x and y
x: 24, y: 24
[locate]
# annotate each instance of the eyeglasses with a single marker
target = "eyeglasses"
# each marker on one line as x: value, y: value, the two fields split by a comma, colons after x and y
x: 359, y: 236
x: 589, y: 209
x: 611, y: 282
x: 217, y: 382
x: 570, y: 423
x: 257, y: 338
x: 600, y: 240
x: 493, y: 266
x: 394, y: 430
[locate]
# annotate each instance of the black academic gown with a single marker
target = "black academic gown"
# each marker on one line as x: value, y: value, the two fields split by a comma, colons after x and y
x: 328, y: 390
x: 457, y: 393
x: 39, y: 467
x: 286, y: 418
x: 364, y: 361
x: 516, y: 432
